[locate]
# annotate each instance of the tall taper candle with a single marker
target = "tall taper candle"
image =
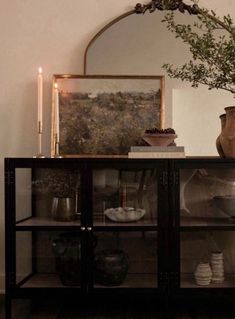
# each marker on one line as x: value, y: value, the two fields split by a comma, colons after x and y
x: 57, y: 117
x: 40, y: 97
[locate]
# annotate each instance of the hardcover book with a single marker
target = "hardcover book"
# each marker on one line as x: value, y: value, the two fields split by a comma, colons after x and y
x: 157, y: 149
x: 156, y: 154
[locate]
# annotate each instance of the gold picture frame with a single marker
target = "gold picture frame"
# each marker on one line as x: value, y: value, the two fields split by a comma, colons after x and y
x: 104, y: 114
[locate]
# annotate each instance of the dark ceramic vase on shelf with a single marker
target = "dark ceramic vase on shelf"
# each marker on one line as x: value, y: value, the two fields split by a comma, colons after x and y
x: 67, y: 249
x: 218, y: 144
x: 227, y: 136
x: 110, y: 267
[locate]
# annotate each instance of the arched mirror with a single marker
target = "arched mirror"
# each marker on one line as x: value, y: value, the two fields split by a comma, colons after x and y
x: 139, y: 44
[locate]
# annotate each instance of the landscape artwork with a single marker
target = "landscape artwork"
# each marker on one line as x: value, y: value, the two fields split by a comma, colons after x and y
x: 106, y: 115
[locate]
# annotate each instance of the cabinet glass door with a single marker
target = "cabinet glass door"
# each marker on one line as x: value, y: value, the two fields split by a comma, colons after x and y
x: 125, y: 259
x: 48, y: 259
x: 47, y: 197
x: 207, y: 227
x: 207, y: 197
x: 125, y: 197
x: 207, y: 259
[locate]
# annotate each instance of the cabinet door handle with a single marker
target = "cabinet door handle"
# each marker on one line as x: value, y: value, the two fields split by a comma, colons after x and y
x: 89, y: 228
x: 83, y: 228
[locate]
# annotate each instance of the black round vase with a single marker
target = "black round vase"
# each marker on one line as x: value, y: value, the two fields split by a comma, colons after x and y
x: 110, y: 267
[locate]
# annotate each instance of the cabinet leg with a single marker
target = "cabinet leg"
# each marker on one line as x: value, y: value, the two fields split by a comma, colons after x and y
x: 8, y: 305
x: 169, y: 309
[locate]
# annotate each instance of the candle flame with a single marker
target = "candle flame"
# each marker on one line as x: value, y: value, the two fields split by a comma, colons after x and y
x: 56, y: 86
x: 40, y: 70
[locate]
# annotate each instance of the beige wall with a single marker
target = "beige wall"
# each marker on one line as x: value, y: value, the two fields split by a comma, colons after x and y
x: 52, y: 34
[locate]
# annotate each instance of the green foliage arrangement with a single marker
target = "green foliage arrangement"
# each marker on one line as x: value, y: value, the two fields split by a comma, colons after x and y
x: 211, y: 42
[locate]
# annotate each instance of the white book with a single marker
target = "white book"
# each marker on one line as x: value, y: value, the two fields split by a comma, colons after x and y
x: 157, y: 149
x: 156, y: 154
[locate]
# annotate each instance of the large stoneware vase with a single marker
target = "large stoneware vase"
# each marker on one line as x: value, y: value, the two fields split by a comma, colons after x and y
x: 218, y: 144
x: 227, y: 136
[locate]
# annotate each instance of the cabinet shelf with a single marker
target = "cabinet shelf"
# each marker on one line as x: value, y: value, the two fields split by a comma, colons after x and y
x: 203, y: 223
x: 37, y: 223
x: 44, y: 281
x: 53, y: 281
x: 135, y: 281
x: 45, y: 223
x: 188, y: 281
x: 141, y: 224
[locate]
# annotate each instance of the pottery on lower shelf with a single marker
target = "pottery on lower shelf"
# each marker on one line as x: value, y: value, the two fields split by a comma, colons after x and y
x: 67, y: 250
x: 203, y: 274
x: 110, y: 267
x: 217, y: 266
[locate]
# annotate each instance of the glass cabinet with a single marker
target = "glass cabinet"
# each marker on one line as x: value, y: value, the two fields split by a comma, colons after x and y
x: 85, y: 227
x: 204, y: 224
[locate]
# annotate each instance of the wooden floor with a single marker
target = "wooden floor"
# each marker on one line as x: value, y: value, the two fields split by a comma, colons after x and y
x: 53, y: 311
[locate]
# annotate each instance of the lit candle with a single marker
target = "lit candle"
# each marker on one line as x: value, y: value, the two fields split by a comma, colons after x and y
x: 40, y: 94
x: 56, y: 110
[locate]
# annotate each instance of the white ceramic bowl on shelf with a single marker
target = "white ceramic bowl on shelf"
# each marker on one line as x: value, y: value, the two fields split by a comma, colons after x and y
x: 124, y: 214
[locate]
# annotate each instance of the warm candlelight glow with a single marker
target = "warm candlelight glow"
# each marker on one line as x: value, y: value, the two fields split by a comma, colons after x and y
x: 39, y: 70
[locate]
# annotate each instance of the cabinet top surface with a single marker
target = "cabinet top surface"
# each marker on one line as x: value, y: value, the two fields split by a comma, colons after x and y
x: 115, y: 158
x: 109, y: 160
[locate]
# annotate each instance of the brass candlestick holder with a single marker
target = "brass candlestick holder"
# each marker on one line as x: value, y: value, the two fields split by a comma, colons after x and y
x: 57, y: 147
x: 39, y: 154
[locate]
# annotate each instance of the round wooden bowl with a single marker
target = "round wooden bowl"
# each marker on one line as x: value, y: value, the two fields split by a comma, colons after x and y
x: 157, y: 139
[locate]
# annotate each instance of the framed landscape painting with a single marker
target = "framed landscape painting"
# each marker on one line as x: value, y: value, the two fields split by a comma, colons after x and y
x: 105, y: 115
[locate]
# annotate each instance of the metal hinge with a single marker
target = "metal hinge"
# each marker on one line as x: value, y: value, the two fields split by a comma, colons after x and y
x: 164, y: 178
x: 174, y: 178
x: 164, y: 277
x: 9, y: 177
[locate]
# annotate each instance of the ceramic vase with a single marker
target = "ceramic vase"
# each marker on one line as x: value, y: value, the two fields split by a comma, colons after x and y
x: 110, y: 267
x: 217, y: 266
x: 218, y: 144
x: 203, y: 274
x: 227, y: 136
x: 63, y: 208
x: 67, y: 249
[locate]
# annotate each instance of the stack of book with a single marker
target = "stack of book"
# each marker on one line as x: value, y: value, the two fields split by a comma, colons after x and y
x: 156, y: 152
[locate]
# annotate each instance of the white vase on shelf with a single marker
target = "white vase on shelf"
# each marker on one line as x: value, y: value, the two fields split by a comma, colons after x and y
x: 217, y: 266
x: 203, y: 274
